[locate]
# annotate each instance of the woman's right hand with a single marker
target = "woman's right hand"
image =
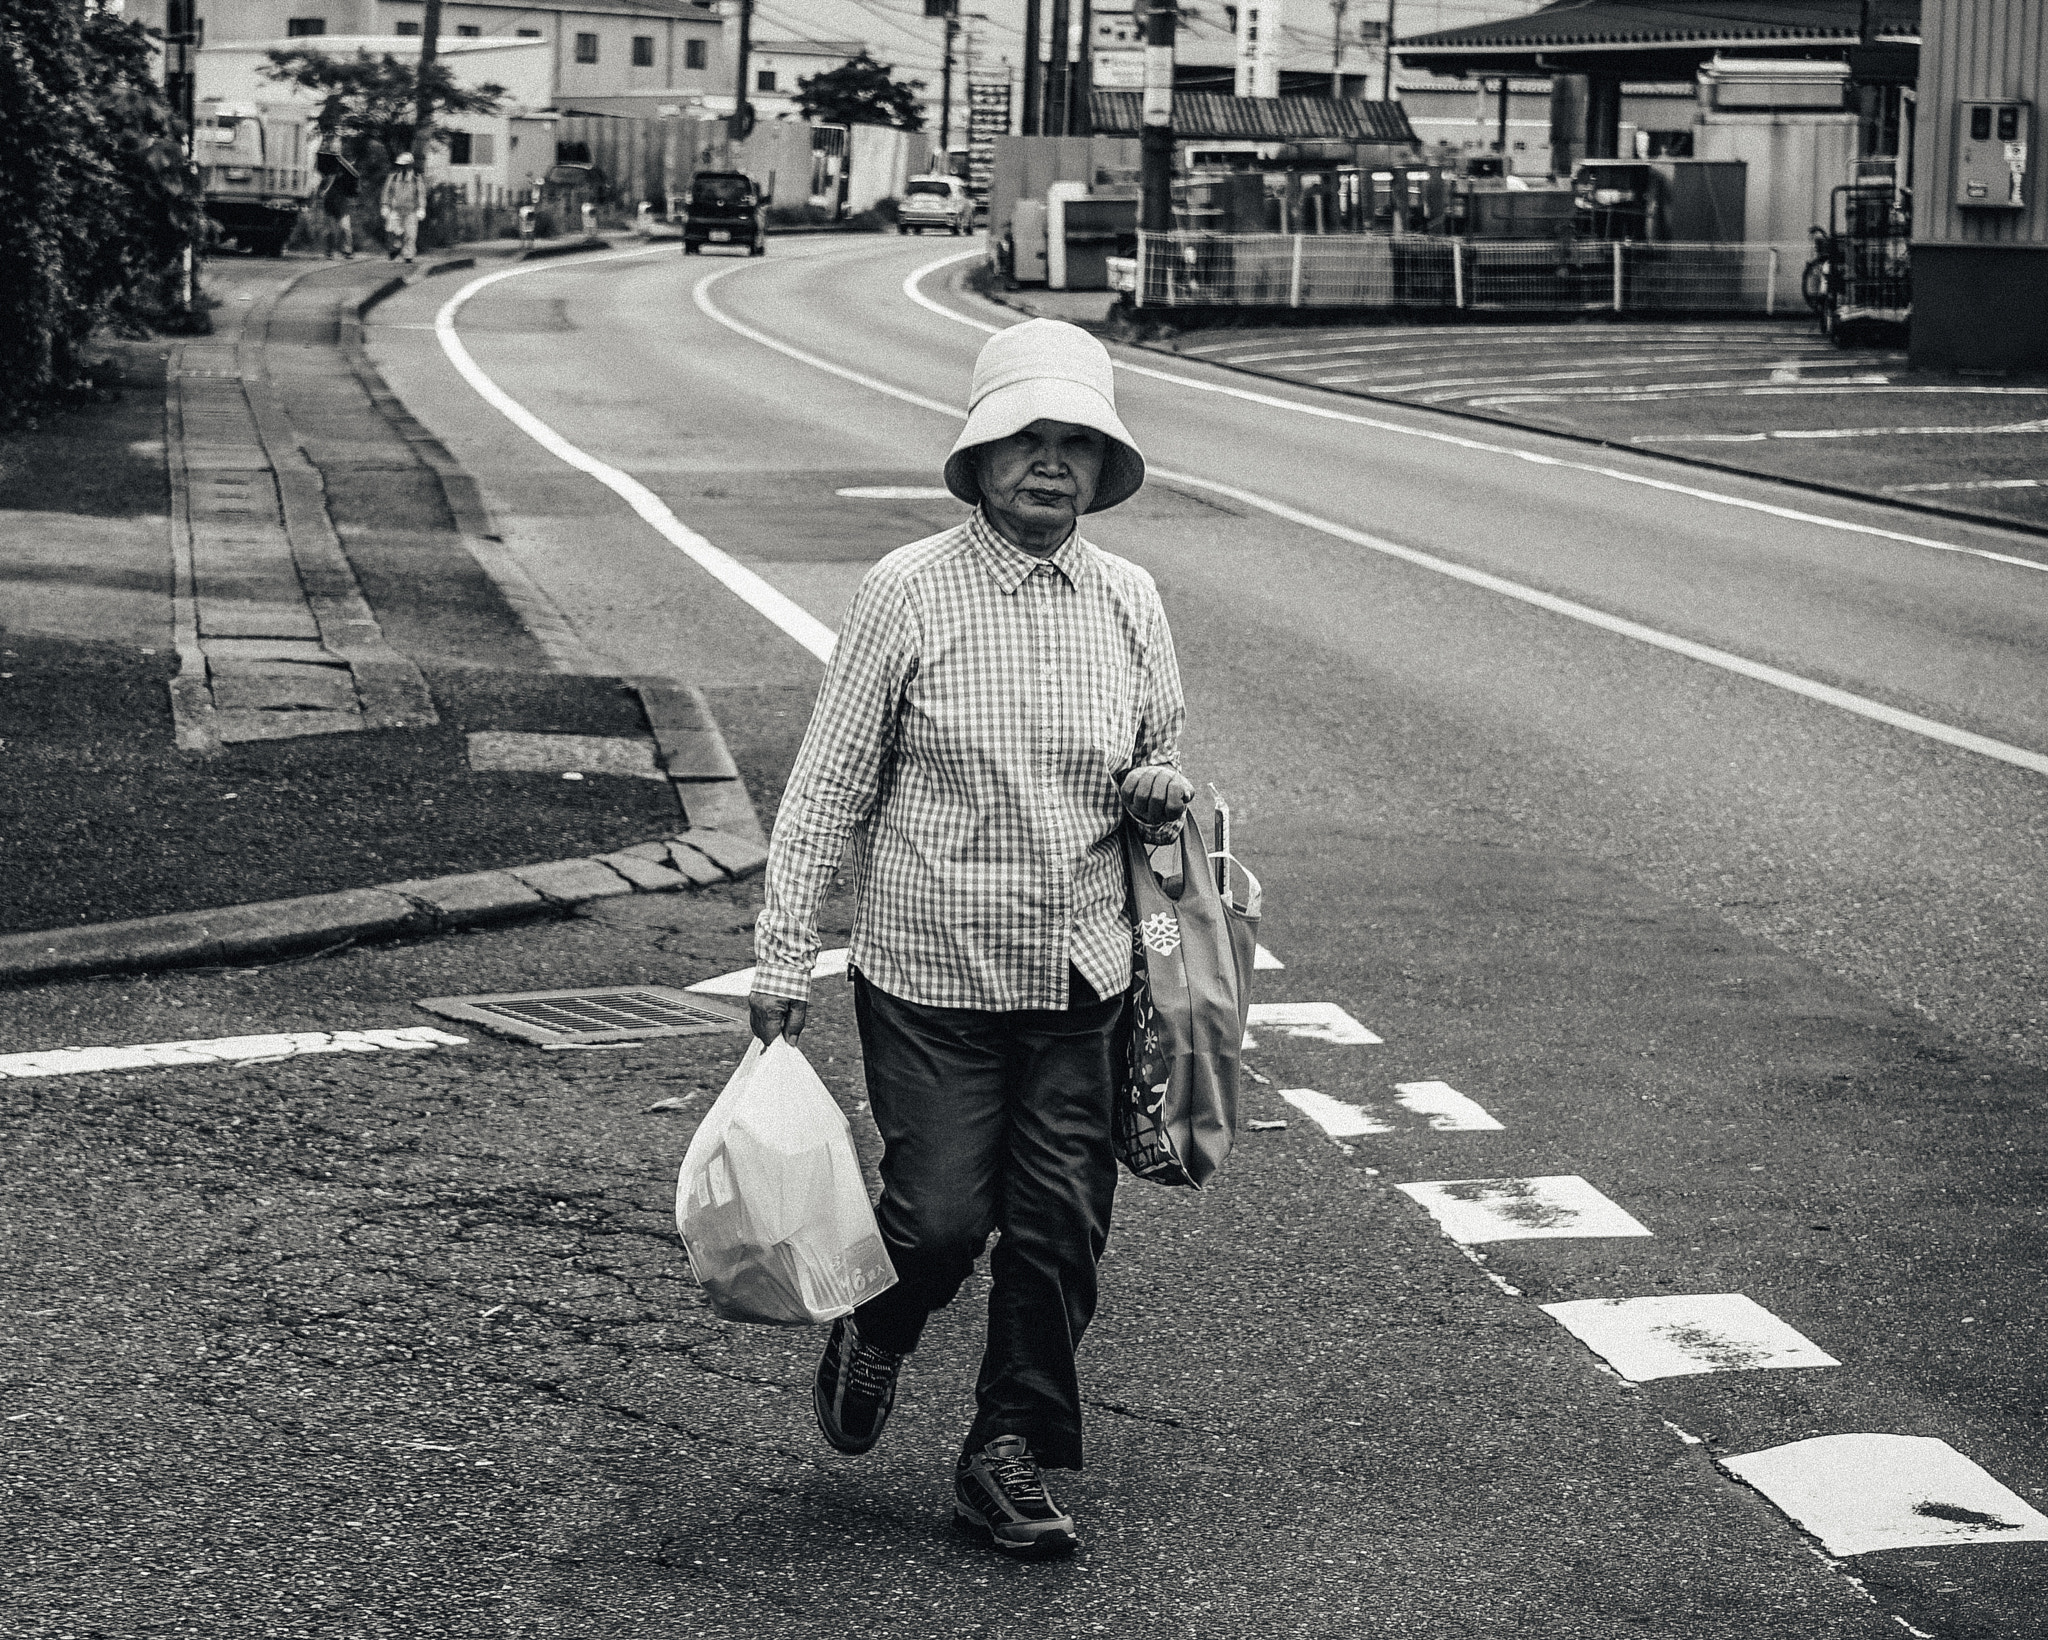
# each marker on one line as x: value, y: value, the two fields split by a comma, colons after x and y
x: 772, y: 1016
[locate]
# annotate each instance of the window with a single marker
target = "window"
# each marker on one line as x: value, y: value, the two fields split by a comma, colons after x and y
x: 643, y: 51
x: 459, y: 144
x: 468, y: 31
x: 483, y: 150
x: 407, y: 28
x: 529, y: 34
x: 586, y: 48
x: 693, y: 54
x: 764, y: 79
x: 299, y: 27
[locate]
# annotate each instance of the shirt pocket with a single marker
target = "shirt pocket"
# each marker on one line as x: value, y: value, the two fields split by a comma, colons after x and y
x: 1110, y: 692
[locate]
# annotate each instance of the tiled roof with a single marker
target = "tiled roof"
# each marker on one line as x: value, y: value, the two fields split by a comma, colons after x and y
x: 1264, y: 119
x: 1582, y: 23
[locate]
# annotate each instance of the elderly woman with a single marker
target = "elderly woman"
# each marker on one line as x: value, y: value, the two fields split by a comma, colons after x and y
x: 1003, y: 696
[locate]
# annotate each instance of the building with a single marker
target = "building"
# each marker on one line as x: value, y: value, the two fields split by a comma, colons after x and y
x: 599, y: 48
x: 1980, y: 227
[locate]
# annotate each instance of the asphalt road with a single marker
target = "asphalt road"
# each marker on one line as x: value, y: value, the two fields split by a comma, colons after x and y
x: 403, y: 1340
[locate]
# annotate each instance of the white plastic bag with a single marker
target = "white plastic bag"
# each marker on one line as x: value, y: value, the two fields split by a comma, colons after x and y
x: 770, y: 1201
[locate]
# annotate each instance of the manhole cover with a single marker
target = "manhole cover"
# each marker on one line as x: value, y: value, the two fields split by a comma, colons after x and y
x: 608, y: 1013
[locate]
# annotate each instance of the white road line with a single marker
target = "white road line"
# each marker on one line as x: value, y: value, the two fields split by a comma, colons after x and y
x: 1971, y: 484
x: 1672, y: 1337
x: 1834, y: 432
x: 1313, y: 1021
x: 1332, y: 413
x: 1471, y: 1211
x: 1826, y: 694
x: 1337, y: 1119
x: 225, y: 1050
x: 741, y: 980
x: 1448, y: 1110
x: 1863, y: 1493
x: 779, y: 609
x: 1262, y: 958
x: 896, y: 492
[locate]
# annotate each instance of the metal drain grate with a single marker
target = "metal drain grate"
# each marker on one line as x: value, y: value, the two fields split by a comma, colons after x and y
x: 608, y: 1013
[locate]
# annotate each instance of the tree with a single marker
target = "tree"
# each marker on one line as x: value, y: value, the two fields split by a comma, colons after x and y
x: 861, y: 92
x: 372, y: 101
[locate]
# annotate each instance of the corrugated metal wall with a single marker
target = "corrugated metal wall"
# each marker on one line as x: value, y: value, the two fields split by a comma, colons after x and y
x: 1977, y: 50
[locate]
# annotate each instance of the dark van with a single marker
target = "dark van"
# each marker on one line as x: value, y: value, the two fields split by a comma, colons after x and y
x: 725, y: 208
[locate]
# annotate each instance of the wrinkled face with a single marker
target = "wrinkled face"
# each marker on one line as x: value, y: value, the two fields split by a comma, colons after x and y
x: 1042, y: 478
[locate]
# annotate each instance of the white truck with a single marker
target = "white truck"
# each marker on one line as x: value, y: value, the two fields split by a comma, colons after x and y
x: 256, y: 167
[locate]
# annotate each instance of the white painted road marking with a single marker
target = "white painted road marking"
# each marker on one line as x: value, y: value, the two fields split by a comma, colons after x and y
x: 781, y: 610
x: 1265, y: 959
x: 225, y: 1050
x: 2019, y: 756
x: 1448, y: 1110
x: 897, y: 492
x: 1862, y: 1493
x: 1833, y: 432
x: 1317, y: 1021
x: 1671, y: 1337
x: 1328, y: 412
x: 1471, y: 1211
x: 739, y: 982
x: 1338, y: 1120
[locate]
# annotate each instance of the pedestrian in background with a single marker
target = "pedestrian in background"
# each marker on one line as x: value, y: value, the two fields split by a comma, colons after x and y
x: 404, y: 204
x: 1002, y: 696
x: 339, y: 186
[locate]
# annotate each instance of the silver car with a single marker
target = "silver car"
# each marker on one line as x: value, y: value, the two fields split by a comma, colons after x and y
x: 935, y: 202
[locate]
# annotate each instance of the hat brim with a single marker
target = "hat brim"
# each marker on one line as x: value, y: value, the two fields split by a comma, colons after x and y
x: 1011, y: 409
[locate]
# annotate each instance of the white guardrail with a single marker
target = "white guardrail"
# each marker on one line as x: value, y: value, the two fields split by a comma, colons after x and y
x: 1413, y: 271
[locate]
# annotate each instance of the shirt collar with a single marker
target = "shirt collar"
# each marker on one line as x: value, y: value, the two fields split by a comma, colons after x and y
x: 1011, y: 565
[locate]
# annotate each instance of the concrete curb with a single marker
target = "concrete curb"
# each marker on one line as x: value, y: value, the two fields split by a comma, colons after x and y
x: 435, y: 905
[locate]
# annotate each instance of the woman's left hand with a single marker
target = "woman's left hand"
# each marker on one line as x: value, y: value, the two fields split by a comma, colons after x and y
x: 1157, y: 795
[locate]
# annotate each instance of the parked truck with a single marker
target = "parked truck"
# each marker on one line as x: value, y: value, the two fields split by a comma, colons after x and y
x: 256, y: 167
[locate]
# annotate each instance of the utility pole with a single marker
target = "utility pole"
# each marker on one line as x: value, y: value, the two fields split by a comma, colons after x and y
x: 1337, y: 10
x: 423, y: 100
x: 946, y: 90
x: 181, y: 31
x: 1387, y: 71
x: 1155, y: 209
x: 742, y: 126
x: 1503, y: 143
x: 1082, y: 122
x: 1034, y: 71
x: 1056, y: 93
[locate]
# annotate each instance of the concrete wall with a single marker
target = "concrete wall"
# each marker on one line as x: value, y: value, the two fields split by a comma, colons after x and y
x: 1794, y: 160
x: 881, y: 160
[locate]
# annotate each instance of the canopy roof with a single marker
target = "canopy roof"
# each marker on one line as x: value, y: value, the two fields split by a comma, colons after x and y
x: 1263, y: 119
x: 1656, y: 39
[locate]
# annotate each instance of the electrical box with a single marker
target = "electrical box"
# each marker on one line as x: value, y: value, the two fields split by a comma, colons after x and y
x: 1991, y: 155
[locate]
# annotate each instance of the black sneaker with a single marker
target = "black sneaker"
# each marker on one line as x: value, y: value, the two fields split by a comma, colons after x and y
x: 855, y: 1388
x: 1000, y: 1492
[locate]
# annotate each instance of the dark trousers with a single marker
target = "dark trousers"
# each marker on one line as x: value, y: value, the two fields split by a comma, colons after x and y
x: 996, y: 1121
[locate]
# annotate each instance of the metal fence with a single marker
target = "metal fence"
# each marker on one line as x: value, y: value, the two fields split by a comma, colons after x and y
x: 1412, y: 271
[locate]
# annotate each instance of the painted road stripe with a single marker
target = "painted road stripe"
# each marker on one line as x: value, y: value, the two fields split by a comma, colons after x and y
x: 1315, y: 1021
x: 741, y: 980
x: 1863, y: 1493
x: 1448, y: 1110
x: 897, y: 492
x: 1834, y: 432
x: 1337, y: 1119
x: 1263, y: 958
x: 1471, y: 1211
x: 774, y: 605
x: 1672, y: 1337
x: 1329, y: 412
x: 224, y: 1050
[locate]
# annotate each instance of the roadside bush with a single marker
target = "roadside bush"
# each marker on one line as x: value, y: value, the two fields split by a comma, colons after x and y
x: 96, y: 204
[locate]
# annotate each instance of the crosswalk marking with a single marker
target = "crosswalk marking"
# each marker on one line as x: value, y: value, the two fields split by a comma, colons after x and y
x: 1448, y: 1110
x: 1863, y: 1493
x: 225, y: 1050
x: 1673, y: 1336
x: 1337, y: 1119
x: 1471, y: 1211
x: 1315, y: 1021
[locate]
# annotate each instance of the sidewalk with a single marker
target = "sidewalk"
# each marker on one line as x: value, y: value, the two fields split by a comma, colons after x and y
x: 257, y: 645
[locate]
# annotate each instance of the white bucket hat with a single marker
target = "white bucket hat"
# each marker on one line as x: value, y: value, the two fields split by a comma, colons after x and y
x: 1045, y: 370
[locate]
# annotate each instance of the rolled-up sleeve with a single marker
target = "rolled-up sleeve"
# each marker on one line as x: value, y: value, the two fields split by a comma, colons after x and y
x: 837, y: 778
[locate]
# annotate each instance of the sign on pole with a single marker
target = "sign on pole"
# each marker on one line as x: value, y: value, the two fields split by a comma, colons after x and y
x: 1258, y: 48
x: 988, y: 117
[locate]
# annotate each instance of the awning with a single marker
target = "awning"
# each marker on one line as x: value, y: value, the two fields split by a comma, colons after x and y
x: 1199, y: 114
x: 1656, y: 39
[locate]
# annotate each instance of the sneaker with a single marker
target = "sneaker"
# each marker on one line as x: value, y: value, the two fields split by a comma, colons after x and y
x: 855, y: 1388
x: 999, y: 1491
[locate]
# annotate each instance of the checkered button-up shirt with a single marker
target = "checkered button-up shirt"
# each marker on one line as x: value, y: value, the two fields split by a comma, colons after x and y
x: 980, y: 711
